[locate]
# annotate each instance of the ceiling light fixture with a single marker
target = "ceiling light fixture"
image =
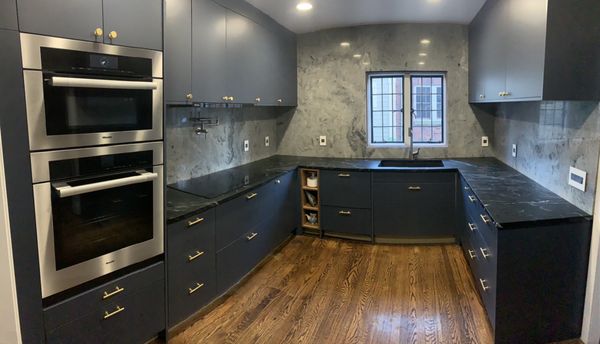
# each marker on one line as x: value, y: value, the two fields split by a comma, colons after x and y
x: 421, y: 63
x: 304, y: 6
x: 345, y: 44
x: 425, y: 41
x: 422, y: 54
x: 357, y: 56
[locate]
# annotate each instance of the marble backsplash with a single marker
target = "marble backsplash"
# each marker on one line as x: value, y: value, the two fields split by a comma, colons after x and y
x: 190, y: 155
x: 332, y: 89
x: 550, y: 137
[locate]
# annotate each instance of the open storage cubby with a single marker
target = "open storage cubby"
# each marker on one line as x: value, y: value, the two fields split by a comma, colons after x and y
x: 310, y: 201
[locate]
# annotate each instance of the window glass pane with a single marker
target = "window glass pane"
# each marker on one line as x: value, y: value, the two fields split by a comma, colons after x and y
x: 397, y: 85
x: 376, y: 120
x: 388, y: 134
x: 387, y: 85
x: 387, y: 119
x: 377, y: 135
x: 376, y: 85
x: 387, y: 102
x: 376, y: 103
x: 397, y: 102
x: 427, y: 101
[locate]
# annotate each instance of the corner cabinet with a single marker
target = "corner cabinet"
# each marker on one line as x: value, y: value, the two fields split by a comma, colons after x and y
x: 133, y: 23
x: 8, y: 15
x: 527, y: 50
x: 219, y: 55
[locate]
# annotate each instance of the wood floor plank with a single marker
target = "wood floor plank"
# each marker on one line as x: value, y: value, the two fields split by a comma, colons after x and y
x: 334, y: 291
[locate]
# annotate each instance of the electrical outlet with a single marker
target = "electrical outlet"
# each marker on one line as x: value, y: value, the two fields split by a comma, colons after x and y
x: 246, y: 145
x: 267, y: 143
x: 485, y: 141
x: 514, y: 150
x: 322, y: 140
x: 577, y: 178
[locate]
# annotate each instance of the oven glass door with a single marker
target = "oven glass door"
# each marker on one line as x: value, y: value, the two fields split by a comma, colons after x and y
x: 92, y: 218
x: 81, y: 106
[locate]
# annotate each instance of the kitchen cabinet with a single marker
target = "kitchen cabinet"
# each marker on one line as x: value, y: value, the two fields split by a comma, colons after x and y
x: 178, y: 51
x: 522, y: 50
x: 414, y: 205
x: 135, y: 23
x: 129, y: 309
x: 191, y: 271
x: 8, y: 15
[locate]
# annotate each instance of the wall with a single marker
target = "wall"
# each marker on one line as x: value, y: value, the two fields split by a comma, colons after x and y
x: 550, y: 137
x: 332, y: 88
x: 190, y: 155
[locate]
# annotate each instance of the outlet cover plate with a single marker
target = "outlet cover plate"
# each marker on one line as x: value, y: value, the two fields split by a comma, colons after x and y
x: 322, y: 140
x: 514, y: 150
x: 485, y: 141
x: 577, y: 178
x: 246, y: 145
x: 267, y: 142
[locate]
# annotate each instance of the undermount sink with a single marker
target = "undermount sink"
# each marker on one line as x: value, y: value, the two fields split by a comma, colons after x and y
x: 411, y: 163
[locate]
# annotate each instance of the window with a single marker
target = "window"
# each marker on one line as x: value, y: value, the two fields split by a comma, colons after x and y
x: 387, y: 94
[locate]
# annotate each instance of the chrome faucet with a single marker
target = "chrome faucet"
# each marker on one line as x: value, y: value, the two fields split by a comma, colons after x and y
x: 414, y: 155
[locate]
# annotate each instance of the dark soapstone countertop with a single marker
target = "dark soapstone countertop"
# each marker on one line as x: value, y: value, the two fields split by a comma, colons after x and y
x: 509, y: 196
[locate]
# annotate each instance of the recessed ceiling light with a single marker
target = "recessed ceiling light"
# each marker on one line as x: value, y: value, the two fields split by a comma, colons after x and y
x: 433, y: 1
x: 425, y: 41
x: 345, y: 44
x: 366, y: 63
x: 421, y: 63
x: 304, y: 6
x: 357, y: 56
x: 422, y: 54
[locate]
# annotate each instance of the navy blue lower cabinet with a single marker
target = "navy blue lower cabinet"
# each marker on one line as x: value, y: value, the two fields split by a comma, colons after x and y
x: 414, y: 205
x: 346, y: 220
x: 346, y: 188
x: 130, y: 309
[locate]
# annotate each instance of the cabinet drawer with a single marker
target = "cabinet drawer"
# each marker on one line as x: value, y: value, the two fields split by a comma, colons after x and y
x: 133, y: 315
x: 414, y: 177
x: 346, y: 220
x: 197, y: 232
x: 480, y: 223
x: 346, y: 189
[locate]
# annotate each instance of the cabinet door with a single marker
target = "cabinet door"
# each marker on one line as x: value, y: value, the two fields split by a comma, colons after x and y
x: 8, y: 14
x: 267, y: 64
x: 209, y: 65
x: 526, y: 40
x: 476, y: 56
x: 178, y: 50
x: 493, y: 50
x: 288, y: 61
x: 138, y: 23
x: 243, y: 58
x: 63, y: 18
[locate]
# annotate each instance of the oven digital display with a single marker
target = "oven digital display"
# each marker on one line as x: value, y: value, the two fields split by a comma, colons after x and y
x: 104, y: 61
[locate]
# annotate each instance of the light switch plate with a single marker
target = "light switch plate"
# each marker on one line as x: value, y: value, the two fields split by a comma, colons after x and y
x: 485, y: 141
x: 322, y: 140
x: 246, y: 145
x: 267, y: 143
x: 577, y: 178
x: 514, y: 150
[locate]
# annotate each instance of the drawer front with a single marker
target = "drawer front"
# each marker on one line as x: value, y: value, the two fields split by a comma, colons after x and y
x: 346, y: 220
x: 134, y: 317
x: 195, y: 233
x: 335, y: 187
x: 414, y: 177
x: 480, y: 223
x: 483, y: 261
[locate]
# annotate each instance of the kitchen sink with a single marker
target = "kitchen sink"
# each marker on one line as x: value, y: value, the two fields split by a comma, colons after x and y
x: 411, y: 163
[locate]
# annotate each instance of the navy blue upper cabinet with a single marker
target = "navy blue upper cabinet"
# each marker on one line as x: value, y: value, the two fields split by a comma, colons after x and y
x: 136, y: 23
x: 523, y: 50
x: 8, y: 14
x: 178, y: 51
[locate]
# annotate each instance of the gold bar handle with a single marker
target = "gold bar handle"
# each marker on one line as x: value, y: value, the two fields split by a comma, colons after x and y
x: 197, y: 255
x: 115, y: 312
x: 195, y: 222
x: 195, y: 289
x: 486, y: 219
x: 111, y: 294
x: 251, y: 236
x: 472, y: 198
x: 345, y: 212
x: 472, y: 227
x: 472, y: 254
x: 344, y: 175
x: 483, y: 286
x: 414, y: 188
x: 251, y: 196
x: 485, y: 252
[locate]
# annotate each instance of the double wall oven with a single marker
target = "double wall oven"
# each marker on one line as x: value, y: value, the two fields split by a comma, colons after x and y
x: 94, y: 114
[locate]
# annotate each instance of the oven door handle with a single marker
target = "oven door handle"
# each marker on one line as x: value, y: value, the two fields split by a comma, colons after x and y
x: 65, y: 190
x: 61, y: 81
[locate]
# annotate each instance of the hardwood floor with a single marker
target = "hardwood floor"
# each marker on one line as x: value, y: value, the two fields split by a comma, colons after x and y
x: 333, y: 291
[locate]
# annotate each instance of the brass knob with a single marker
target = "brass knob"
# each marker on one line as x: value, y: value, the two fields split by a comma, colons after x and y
x: 98, y: 32
x: 230, y: 98
x: 280, y: 100
x: 113, y: 35
x: 189, y: 96
x: 226, y: 98
x: 258, y: 99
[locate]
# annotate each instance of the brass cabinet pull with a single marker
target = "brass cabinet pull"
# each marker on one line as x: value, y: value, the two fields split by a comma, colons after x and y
x: 277, y: 181
x: 251, y: 236
x: 483, y: 286
x: 472, y: 254
x: 344, y: 175
x: 486, y: 219
x: 472, y: 227
x: 485, y: 252
x: 280, y: 100
x: 113, y: 313
x: 197, y: 255
x: 225, y: 98
x: 257, y: 99
x: 111, y: 294
x: 230, y: 99
x: 195, y: 289
x: 345, y: 212
x: 414, y: 188
x: 189, y: 96
x: 195, y: 222
x: 251, y: 196
x: 113, y: 35
x: 98, y: 32
x: 472, y: 198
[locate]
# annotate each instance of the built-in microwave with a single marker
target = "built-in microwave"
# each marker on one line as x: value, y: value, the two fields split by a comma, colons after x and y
x: 85, y: 94
x: 97, y: 210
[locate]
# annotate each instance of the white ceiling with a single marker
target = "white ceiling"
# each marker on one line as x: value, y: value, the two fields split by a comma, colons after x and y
x: 340, y: 13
